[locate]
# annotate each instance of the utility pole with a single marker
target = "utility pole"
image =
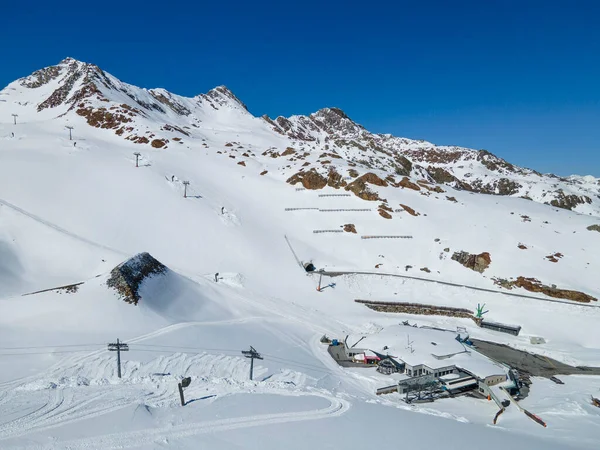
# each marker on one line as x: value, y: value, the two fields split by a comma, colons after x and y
x: 70, y: 128
x: 15, y: 117
x: 185, y: 185
x: 183, y: 384
x: 252, y: 354
x: 137, y: 155
x: 118, y: 347
x: 320, y: 278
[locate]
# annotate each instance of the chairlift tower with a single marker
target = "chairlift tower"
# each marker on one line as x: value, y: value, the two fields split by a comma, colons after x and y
x: 118, y: 347
x: 70, y: 128
x: 185, y: 185
x: 15, y: 118
x: 252, y: 354
x: 137, y: 155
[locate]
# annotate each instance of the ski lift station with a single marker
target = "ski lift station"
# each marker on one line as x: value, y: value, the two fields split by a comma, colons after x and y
x: 425, y: 354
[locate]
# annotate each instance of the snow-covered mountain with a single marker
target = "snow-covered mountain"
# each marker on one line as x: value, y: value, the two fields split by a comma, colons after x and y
x: 387, y: 219
x: 161, y: 119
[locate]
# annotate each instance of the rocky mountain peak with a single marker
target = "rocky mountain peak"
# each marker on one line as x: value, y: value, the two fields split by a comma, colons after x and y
x: 221, y: 95
x: 158, y: 118
x: 335, y: 121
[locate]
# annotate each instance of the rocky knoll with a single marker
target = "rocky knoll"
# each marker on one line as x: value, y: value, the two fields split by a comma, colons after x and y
x: 128, y: 276
x: 478, y: 263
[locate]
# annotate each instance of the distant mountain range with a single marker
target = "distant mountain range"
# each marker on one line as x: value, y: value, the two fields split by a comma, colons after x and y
x: 161, y: 119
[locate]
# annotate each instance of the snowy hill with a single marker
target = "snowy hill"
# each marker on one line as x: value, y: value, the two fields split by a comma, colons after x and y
x: 159, y: 118
x: 264, y: 197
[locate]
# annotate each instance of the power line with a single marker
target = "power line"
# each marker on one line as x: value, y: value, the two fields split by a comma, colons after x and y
x: 273, y: 358
x: 47, y: 353
x: 189, y: 348
x: 51, y: 346
x: 182, y: 351
x: 157, y: 348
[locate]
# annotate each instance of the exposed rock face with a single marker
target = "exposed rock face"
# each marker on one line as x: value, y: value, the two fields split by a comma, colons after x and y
x: 426, y: 185
x: 402, y: 165
x: 493, y: 163
x: 158, y: 143
x: 384, y: 211
x: 409, y: 210
x: 441, y: 175
x: 555, y: 257
x: 569, y: 201
x: 221, y: 96
x: 533, y: 285
x: 594, y: 228
x: 111, y: 118
x: 350, y: 228
x: 128, y: 276
x: 335, y: 119
x: 143, y: 116
x: 41, y: 77
x: 406, y: 183
x: 478, y: 263
x: 335, y: 180
x: 167, y: 99
x: 359, y: 186
x: 507, y: 187
x: 310, y: 179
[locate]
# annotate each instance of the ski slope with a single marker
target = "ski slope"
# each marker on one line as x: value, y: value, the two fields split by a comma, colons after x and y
x: 70, y: 213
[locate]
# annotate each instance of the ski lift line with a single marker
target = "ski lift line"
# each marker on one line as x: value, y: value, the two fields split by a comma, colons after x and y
x: 236, y: 352
x: 189, y: 348
x: 297, y: 363
x: 273, y: 358
x: 52, y: 346
x: 50, y: 353
x: 233, y: 351
x: 293, y: 252
x: 187, y: 352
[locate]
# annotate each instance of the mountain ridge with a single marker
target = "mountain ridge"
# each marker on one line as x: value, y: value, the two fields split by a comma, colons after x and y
x: 160, y: 118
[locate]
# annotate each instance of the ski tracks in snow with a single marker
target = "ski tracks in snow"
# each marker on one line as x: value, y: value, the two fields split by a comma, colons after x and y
x: 54, y: 402
x: 130, y: 439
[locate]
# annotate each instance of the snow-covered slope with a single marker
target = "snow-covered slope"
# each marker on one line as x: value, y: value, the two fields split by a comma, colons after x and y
x: 160, y: 118
x: 71, y: 211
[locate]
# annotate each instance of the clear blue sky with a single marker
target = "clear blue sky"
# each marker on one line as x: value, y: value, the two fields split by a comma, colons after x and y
x: 518, y: 78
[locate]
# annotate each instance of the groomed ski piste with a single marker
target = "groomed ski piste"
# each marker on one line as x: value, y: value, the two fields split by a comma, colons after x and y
x: 70, y: 214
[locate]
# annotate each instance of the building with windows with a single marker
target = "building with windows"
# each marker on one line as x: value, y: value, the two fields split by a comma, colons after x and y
x: 425, y: 355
